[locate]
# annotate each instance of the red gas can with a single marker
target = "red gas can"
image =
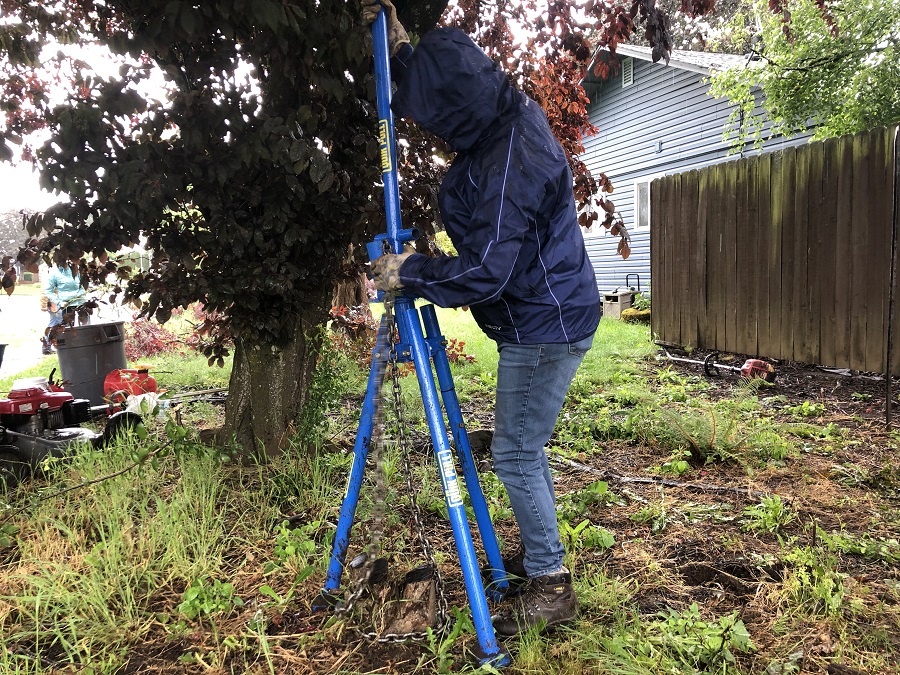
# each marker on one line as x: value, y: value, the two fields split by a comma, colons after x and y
x: 125, y: 382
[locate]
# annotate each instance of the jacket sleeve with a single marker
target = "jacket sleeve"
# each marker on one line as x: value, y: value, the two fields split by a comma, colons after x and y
x: 505, y: 209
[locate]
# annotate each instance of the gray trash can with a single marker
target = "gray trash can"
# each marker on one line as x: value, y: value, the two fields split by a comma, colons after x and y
x: 87, y: 354
x: 2, y: 349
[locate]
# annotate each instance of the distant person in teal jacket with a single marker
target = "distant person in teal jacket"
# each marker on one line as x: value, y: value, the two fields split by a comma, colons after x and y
x: 66, y: 299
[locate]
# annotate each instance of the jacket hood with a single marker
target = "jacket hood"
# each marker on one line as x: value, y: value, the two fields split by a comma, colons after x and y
x: 451, y: 88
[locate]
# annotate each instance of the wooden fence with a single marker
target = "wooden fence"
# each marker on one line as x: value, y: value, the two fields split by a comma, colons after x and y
x: 786, y: 255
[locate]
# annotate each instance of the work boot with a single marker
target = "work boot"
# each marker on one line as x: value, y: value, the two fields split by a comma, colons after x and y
x: 516, y: 575
x: 546, y: 600
x: 45, y: 347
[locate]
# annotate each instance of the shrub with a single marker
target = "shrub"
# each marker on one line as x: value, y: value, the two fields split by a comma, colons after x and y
x: 145, y: 338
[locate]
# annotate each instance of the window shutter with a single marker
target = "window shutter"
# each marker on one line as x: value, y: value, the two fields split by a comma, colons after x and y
x: 627, y: 72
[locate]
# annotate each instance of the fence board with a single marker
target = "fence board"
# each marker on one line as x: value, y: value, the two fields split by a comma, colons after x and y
x: 878, y: 277
x: 843, y: 248
x: 665, y: 254
x: 818, y: 269
x: 729, y: 258
x: 827, y: 245
x: 859, y: 296
x: 788, y: 264
x: 894, y: 136
x: 700, y: 278
x: 657, y: 259
x: 715, y: 286
x: 688, y: 239
x: 800, y: 262
x: 674, y: 323
x: 764, y: 279
x: 746, y: 260
x: 776, y: 249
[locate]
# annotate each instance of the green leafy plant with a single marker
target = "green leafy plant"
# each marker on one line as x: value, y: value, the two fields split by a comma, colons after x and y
x: 714, y: 437
x: 8, y: 532
x: 270, y: 592
x: 674, y: 467
x: 495, y: 496
x: 654, y: 515
x: 641, y: 301
x: 201, y: 599
x: 867, y: 546
x: 811, y: 581
x: 769, y: 445
x: 770, y: 515
x: 290, y: 543
x: 585, y: 535
x: 698, y: 643
x: 577, y: 504
x: 806, y: 409
x: 440, y: 647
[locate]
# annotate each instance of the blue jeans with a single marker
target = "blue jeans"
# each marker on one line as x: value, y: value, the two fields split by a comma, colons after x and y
x: 532, y: 383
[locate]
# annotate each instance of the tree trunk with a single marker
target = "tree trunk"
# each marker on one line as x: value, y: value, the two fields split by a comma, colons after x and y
x: 350, y: 299
x: 269, y: 387
x: 350, y: 291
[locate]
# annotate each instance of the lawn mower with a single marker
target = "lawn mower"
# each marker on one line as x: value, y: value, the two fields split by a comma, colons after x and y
x: 39, y: 419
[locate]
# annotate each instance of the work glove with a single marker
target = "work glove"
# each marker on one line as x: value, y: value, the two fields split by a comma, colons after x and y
x: 386, y: 270
x: 396, y: 33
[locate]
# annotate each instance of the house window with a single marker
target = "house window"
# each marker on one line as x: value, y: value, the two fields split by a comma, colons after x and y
x: 627, y: 72
x: 642, y: 202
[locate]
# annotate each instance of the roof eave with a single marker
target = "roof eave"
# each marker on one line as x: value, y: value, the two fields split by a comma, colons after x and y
x: 626, y: 50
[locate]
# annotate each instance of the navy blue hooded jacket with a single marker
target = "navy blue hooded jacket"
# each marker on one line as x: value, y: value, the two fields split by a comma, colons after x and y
x: 506, y: 201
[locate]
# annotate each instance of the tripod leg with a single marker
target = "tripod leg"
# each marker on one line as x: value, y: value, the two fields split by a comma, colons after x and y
x: 360, y: 453
x: 411, y: 333
x: 464, y: 452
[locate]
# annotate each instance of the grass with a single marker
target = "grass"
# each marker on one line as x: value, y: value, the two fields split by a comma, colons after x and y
x: 42, y: 369
x: 29, y: 289
x: 189, y: 564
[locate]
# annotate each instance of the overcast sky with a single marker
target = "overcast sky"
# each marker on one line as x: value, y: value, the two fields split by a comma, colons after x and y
x: 19, y: 189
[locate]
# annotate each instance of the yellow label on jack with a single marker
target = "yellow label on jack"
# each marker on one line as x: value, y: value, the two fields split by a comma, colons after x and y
x: 386, y: 164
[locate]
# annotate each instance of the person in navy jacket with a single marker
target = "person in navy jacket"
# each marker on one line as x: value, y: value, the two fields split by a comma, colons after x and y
x: 507, y: 205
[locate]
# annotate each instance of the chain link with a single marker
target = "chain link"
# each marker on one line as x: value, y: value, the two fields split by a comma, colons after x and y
x: 377, y: 445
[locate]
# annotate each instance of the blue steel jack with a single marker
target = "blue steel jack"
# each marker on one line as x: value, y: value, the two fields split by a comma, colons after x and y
x: 423, y: 349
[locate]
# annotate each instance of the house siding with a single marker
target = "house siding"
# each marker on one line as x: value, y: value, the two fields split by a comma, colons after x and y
x: 665, y: 105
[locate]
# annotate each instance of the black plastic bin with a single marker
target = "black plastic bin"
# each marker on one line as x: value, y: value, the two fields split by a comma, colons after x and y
x: 2, y: 349
x: 87, y: 354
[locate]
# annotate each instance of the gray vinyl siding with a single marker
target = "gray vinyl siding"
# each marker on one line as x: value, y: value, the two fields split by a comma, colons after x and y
x: 668, y: 105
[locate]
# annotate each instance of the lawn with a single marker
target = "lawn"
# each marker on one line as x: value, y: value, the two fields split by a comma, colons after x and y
x: 713, y: 526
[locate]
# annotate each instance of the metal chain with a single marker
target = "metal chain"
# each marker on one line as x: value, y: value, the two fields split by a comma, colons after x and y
x: 377, y: 445
x: 443, y: 616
